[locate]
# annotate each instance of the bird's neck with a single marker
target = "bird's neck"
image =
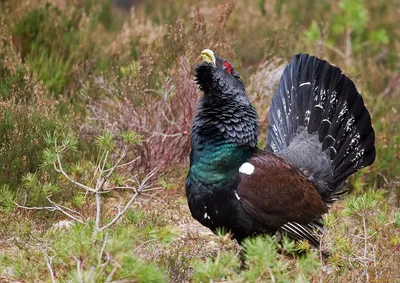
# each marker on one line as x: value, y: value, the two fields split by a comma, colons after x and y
x: 223, y: 137
x: 216, y: 163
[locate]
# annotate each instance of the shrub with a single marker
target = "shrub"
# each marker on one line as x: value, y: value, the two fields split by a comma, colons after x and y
x: 52, y: 38
x: 156, y: 95
x: 262, y: 262
x: 73, y: 254
x: 27, y: 112
x: 96, y: 180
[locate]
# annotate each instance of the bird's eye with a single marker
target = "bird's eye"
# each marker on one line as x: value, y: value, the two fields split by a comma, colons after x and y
x: 227, y: 67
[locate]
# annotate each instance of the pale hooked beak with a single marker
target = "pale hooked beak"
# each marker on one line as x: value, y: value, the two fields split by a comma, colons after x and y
x: 208, y: 56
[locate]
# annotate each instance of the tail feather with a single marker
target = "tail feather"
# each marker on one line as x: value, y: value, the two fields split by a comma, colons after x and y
x: 312, y: 232
x: 316, y: 98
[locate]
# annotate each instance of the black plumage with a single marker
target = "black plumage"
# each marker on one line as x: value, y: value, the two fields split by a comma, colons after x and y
x: 319, y: 133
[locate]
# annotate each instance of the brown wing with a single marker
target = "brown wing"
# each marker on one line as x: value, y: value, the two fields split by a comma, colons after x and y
x: 275, y: 193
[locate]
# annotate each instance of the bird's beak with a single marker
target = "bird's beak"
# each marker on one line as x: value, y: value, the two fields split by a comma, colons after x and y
x: 208, y: 56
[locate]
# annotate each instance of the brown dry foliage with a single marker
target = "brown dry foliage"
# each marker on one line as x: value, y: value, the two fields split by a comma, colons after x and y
x: 164, y: 119
x: 158, y: 97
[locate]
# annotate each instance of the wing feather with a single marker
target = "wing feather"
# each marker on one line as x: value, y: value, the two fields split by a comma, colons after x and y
x: 279, y: 196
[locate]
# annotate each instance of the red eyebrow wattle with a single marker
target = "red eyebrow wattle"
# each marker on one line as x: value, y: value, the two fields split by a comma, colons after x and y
x: 228, y: 67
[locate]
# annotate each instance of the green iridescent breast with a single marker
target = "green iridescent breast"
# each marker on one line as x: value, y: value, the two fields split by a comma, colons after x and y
x: 213, y: 164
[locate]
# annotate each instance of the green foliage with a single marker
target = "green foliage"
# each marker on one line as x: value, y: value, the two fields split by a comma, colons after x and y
x: 52, y: 41
x: 49, y: 157
x: 329, y: 220
x: 396, y: 219
x: 77, y: 241
x: 221, y: 232
x: 105, y: 16
x: 77, y: 254
x: 150, y: 227
x: 19, y: 268
x: 27, y: 113
x: 378, y: 37
x: 261, y: 257
x: 38, y: 39
x: 69, y: 141
x: 51, y: 68
x: 388, y: 137
x: 140, y: 272
x: 362, y: 229
x: 364, y: 203
x: 6, y: 199
x: 215, y: 269
x: 261, y: 5
x: 105, y: 141
x: 352, y: 15
x: 313, y: 33
x: 348, y: 31
x: 130, y: 70
x: 135, y: 216
x: 95, y: 179
x: 132, y: 138
x: 38, y: 191
x: 30, y: 181
x: 288, y: 245
x: 262, y: 263
x: 79, y: 200
x: 60, y: 145
x: 382, y: 217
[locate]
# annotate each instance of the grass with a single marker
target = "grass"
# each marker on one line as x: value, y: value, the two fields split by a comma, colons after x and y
x: 87, y: 69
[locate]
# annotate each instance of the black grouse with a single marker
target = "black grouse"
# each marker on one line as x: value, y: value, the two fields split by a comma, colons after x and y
x: 319, y: 133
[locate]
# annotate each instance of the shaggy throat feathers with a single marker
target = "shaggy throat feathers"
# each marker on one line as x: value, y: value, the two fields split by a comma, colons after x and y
x: 225, y: 128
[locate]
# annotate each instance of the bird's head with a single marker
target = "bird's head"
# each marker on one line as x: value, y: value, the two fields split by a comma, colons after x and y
x: 224, y: 110
x: 216, y: 76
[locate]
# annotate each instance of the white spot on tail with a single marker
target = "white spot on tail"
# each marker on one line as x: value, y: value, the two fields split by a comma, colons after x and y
x: 284, y: 105
x: 319, y: 106
x: 342, y: 112
x: 329, y: 136
x: 236, y: 195
x: 307, y: 83
x: 349, y: 123
x: 279, y: 117
x: 273, y: 146
x: 334, y: 150
x: 246, y: 168
x: 333, y: 97
x: 307, y: 117
x: 206, y: 216
x: 322, y: 95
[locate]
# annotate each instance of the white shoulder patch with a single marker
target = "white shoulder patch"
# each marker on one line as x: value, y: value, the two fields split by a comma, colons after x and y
x: 247, y: 168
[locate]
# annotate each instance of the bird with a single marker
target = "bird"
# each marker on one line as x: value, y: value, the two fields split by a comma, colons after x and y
x: 319, y: 133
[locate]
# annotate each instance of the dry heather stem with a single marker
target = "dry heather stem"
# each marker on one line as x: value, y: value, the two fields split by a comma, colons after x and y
x: 163, y: 117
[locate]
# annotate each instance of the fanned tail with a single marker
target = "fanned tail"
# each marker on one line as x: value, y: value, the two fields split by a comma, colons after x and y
x: 319, y: 124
